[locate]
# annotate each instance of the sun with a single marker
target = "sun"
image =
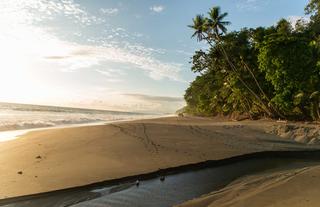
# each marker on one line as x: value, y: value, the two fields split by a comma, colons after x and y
x: 16, y: 82
x: 23, y: 47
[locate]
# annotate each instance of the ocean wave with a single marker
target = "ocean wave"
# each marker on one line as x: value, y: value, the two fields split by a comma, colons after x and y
x: 57, y: 109
x: 22, y: 116
x: 18, y: 125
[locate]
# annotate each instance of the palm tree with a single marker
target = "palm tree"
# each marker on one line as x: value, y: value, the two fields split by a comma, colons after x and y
x: 211, y: 29
x: 199, y: 26
x: 216, y: 24
x: 315, y: 98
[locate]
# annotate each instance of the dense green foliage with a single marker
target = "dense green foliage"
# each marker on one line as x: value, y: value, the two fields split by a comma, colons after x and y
x: 272, y: 71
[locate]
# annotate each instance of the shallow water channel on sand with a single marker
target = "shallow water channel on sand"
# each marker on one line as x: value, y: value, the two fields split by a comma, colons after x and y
x: 175, y: 189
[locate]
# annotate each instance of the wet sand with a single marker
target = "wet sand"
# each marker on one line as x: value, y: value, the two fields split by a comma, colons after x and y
x: 178, y: 186
x: 54, y: 159
x: 295, y: 187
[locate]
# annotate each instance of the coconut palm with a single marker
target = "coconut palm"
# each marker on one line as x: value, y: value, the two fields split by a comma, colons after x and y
x: 216, y: 25
x: 199, y: 26
x: 211, y: 30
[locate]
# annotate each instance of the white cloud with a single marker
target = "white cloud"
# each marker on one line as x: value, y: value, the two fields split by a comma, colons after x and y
x: 145, y: 97
x: 157, y: 8
x: 139, y: 102
x: 42, y: 9
x: 294, y: 19
x: 30, y: 47
x: 17, y: 25
x: 109, y: 72
x: 136, y: 56
x: 111, y: 75
x: 189, y: 54
x: 109, y: 11
x: 33, y: 11
x: 251, y: 5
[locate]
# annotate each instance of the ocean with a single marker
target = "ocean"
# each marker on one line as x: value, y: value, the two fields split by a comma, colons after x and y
x: 25, y: 116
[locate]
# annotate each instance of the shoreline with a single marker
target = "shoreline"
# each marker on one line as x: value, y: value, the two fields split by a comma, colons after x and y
x: 310, y: 155
x: 15, y: 134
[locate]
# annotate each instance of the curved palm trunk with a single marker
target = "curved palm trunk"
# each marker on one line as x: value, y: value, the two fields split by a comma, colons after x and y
x: 316, y: 109
x: 265, y: 107
x: 261, y: 90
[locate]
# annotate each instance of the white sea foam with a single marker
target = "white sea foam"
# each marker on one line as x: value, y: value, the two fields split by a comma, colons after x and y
x: 16, y: 118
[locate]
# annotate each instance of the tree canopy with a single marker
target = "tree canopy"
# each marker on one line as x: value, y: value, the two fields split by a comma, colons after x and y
x: 272, y: 71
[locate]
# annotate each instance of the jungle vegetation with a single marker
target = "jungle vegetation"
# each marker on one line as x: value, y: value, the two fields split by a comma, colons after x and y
x: 262, y: 72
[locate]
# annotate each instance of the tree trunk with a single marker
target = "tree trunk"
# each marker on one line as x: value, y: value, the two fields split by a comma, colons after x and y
x: 261, y: 90
x: 265, y: 108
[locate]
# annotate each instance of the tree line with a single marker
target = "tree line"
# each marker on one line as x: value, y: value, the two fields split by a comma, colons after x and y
x: 266, y: 71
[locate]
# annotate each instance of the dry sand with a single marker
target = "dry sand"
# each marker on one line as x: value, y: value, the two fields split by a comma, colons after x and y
x: 54, y: 159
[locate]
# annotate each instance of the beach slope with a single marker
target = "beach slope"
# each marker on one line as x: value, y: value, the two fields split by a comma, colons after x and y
x: 53, y: 159
x: 292, y: 187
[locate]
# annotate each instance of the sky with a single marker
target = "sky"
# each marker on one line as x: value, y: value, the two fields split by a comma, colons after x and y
x: 126, y: 55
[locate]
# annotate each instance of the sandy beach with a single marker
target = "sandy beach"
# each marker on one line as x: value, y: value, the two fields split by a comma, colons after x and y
x: 54, y: 159
x: 294, y: 187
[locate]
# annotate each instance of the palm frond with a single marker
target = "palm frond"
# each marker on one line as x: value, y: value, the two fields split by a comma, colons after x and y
x: 200, y: 27
x: 315, y: 94
x: 223, y: 28
x: 214, y: 13
x: 215, y: 23
x: 222, y: 16
x: 226, y: 23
